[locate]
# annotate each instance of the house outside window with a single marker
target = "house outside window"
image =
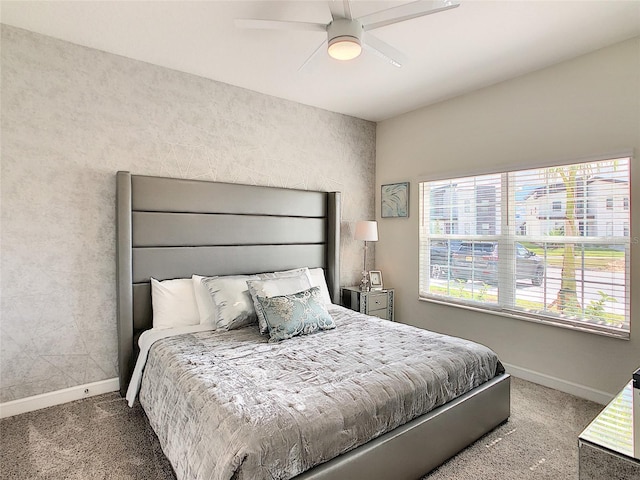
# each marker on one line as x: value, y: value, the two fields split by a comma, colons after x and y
x: 542, y: 245
x: 609, y: 203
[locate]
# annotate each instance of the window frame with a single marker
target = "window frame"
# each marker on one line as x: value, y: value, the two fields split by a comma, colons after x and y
x: 581, y: 238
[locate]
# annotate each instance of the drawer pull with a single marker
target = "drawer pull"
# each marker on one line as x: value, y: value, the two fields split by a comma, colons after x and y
x: 378, y: 302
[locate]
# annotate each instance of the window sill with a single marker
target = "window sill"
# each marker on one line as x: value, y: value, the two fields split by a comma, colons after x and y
x: 586, y: 328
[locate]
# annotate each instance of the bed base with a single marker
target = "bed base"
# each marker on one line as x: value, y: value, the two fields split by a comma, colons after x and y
x: 414, y: 449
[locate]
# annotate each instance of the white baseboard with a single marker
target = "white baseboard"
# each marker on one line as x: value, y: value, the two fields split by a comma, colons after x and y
x: 49, y: 399
x: 576, y: 389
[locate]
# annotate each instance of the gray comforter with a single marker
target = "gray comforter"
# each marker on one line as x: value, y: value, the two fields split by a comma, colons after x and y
x: 231, y: 405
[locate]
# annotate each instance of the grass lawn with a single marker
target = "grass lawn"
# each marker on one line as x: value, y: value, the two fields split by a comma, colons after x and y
x: 463, y: 291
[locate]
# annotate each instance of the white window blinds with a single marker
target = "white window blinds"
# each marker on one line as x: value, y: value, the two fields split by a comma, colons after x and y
x: 548, y: 244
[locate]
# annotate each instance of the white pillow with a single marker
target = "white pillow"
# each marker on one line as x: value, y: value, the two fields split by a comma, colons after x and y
x: 318, y: 280
x: 275, y: 287
x: 286, y: 273
x: 232, y: 301
x: 206, y: 307
x: 174, y: 303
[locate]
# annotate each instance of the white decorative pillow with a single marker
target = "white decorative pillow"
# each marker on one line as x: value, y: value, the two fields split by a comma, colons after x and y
x: 286, y: 273
x: 206, y: 307
x: 274, y: 287
x: 174, y: 303
x: 318, y: 280
x: 232, y: 301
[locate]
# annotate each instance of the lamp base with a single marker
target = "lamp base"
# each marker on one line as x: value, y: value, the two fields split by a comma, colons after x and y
x: 364, y: 282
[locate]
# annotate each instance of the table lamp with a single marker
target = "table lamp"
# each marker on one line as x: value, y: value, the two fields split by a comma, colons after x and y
x: 368, y: 231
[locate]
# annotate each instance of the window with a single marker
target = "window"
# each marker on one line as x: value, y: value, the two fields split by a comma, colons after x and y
x: 516, y: 253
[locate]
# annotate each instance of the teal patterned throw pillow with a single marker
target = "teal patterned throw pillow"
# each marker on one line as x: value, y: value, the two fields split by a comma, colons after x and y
x: 296, y: 314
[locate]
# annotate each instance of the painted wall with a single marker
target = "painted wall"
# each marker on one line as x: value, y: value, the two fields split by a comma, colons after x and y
x: 583, y: 107
x: 70, y: 118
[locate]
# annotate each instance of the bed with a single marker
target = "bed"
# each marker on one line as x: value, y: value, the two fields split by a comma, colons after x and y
x: 173, y: 228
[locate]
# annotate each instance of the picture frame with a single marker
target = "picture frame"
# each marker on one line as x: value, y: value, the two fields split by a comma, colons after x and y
x: 394, y: 198
x: 375, y: 279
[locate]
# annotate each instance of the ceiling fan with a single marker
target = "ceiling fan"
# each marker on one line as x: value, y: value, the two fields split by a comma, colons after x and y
x: 347, y: 35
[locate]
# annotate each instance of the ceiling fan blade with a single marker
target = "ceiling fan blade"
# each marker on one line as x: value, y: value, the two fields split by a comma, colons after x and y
x: 405, y: 12
x: 340, y: 9
x: 315, y: 52
x: 347, y: 10
x: 384, y: 50
x: 279, y: 25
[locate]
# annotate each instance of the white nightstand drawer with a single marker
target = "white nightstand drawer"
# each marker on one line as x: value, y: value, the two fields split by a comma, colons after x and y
x: 382, y: 313
x: 377, y: 301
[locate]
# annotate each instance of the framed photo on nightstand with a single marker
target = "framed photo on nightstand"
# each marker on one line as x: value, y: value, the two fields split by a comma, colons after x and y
x: 375, y: 279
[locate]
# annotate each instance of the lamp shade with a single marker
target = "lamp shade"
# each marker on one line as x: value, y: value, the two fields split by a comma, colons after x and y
x: 366, y: 230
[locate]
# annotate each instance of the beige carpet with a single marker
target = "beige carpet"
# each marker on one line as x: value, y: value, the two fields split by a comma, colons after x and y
x: 102, y: 438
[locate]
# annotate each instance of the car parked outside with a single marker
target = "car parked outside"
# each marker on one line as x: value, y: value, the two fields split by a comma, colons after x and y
x: 479, y: 261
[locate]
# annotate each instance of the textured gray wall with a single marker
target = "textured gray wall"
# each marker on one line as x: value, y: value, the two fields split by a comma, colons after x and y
x: 70, y: 118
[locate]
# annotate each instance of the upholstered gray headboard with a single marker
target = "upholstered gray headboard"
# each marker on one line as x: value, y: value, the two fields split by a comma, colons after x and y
x: 173, y: 228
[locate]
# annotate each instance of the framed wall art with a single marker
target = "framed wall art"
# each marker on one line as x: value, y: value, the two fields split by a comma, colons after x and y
x: 395, y: 200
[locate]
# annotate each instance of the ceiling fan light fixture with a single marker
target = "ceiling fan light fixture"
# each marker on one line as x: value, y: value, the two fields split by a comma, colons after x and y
x: 345, y: 48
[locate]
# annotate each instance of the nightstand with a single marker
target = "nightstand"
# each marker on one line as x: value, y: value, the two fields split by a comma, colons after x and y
x: 377, y: 303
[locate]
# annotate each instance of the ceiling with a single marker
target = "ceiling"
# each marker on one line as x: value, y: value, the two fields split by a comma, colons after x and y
x: 449, y: 53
